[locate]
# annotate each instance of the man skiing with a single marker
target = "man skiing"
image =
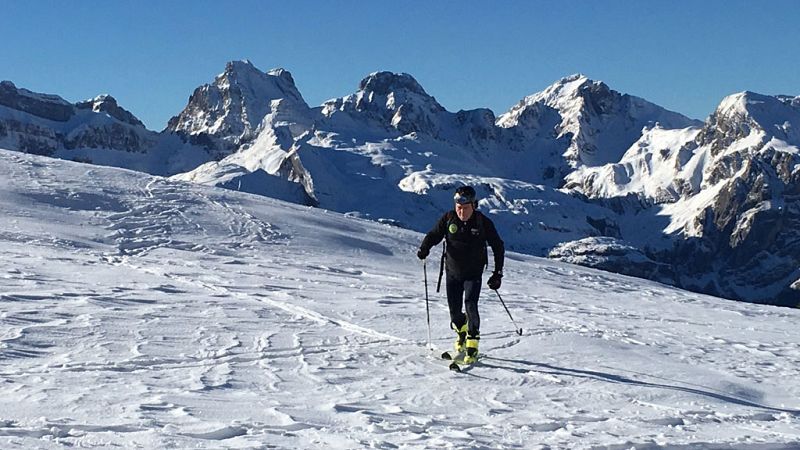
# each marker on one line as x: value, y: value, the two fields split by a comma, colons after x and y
x: 466, y: 232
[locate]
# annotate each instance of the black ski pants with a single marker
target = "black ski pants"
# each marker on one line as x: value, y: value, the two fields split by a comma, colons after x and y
x: 463, y: 294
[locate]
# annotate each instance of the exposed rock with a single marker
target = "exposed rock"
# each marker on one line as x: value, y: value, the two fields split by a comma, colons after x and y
x: 600, y: 123
x: 604, y: 226
x: 31, y: 137
x: 613, y: 255
x: 385, y: 83
x: 49, y: 107
x: 226, y: 114
x: 55, y: 127
x: 394, y: 100
x: 114, y: 136
x: 108, y: 104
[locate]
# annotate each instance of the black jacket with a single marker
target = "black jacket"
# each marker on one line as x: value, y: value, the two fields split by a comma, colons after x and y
x: 466, y: 244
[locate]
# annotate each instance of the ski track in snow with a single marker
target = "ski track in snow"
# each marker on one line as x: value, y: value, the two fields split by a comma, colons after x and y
x: 137, y: 312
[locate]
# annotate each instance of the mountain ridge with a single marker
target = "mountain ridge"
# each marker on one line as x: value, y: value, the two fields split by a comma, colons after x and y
x: 227, y: 113
x: 559, y: 172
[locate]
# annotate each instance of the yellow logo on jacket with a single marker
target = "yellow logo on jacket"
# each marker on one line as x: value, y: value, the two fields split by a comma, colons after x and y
x: 453, y: 228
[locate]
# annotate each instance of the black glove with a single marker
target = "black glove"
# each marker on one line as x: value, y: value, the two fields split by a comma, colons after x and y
x: 494, y: 280
x: 422, y: 253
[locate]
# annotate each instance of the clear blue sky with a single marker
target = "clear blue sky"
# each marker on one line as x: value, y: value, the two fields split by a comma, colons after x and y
x: 151, y: 55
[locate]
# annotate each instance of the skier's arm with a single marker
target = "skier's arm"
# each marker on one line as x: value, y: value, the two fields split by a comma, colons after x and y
x: 498, y: 247
x: 434, y: 236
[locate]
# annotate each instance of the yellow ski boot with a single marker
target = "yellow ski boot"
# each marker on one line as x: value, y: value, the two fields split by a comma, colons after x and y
x: 472, y: 350
x: 461, y: 339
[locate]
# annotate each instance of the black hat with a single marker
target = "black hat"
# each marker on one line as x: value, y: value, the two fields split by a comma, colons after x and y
x: 464, y: 195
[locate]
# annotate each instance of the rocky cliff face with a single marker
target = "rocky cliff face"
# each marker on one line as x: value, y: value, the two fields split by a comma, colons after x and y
x: 38, y: 136
x: 751, y: 225
x: 97, y: 130
x: 392, y: 100
x: 50, y: 107
x: 731, y: 191
x: 108, y: 104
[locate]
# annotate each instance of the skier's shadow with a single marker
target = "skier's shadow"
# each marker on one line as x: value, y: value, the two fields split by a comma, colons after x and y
x: 612, y: 378
x: 466, y: 370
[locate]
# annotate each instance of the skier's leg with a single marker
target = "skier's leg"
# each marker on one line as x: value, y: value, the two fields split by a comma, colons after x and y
x: 455, y: 301
x: 458, y: 320
x: 472, y: 290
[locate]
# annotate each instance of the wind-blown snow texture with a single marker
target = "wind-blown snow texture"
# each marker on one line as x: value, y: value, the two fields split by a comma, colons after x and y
x: 143, y: 312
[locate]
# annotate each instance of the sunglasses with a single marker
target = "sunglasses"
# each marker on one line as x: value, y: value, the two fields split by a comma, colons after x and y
x: 462, y: 199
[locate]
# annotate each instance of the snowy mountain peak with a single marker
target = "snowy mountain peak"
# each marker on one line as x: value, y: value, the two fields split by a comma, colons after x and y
x: 746, y: 103
x: 394, y: 100
x: 571, y: 96
x: 600, y: 122
x: 227, y: 114
x: 283, y: 74
x: 569, y: 87
x: 239, y: 70
x: 244, y: 76
x: 107, y: 104
x: 396, y: 91
x: 249, y: 76
x: 729, y: 189
x: 96, y: 130
x: 743, y: 113
x: 239, y: 66
x: 383, y: 83
x: 574, y: 77
x: 789, y: 100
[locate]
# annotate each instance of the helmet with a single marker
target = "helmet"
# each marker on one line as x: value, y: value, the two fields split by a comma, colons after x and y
x: 464, y: 195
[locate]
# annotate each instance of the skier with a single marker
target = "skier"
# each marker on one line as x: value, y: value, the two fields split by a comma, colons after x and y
x: 466, y: 232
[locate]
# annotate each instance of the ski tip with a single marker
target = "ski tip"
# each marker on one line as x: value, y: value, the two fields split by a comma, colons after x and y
x: 519, y: 332
x: 454, y: 367
x: 447, y: 355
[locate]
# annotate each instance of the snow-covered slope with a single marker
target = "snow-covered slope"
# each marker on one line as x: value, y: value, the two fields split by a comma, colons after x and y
x: 143, y: 312
x: 653, y: 167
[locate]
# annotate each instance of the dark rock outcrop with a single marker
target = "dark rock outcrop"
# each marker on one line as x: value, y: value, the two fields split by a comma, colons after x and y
x: 108, y: 104
x: 48, y: 107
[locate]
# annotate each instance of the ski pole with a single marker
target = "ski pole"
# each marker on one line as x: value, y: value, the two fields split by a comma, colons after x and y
x: 427, y: 307
x: 441, y: 266
x: 518, y: 329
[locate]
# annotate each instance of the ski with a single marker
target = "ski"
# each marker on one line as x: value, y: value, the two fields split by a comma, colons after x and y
x: 457, y: 360
x: 449, y: 356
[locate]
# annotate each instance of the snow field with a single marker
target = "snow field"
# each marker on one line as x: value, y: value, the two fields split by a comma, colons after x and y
x: 139, y: 312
